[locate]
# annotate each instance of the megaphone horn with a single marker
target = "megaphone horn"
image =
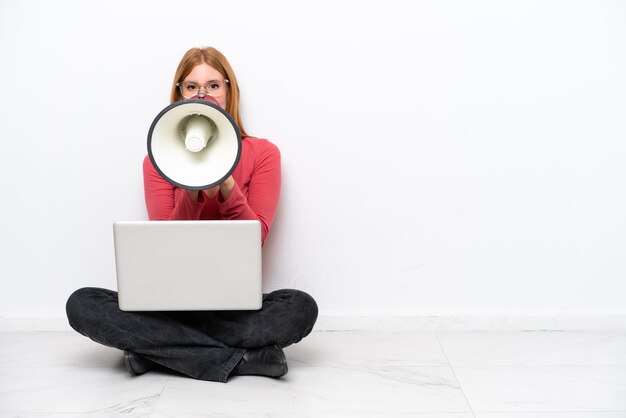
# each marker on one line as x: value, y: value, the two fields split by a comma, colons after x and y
x: 194, y: 144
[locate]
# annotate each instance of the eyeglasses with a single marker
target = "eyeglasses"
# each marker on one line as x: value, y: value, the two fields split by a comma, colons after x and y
x: 213, y: 88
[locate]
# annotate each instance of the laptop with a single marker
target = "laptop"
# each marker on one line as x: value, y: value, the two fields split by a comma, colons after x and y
x: 188, y: 265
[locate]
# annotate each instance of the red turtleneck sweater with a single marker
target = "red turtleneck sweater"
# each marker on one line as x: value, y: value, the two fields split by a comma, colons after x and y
x: 255, y: 196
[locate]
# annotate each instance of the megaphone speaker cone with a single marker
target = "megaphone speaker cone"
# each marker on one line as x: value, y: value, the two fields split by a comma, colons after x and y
x: 194, y: 144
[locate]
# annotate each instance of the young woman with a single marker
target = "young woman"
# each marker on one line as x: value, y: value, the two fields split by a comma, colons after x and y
x: 206, y: 345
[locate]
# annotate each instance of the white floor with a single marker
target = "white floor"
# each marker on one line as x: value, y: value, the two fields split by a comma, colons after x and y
x: 334, y: 374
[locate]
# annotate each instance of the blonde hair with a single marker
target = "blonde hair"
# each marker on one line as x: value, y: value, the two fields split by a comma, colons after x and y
x: 217, y: 60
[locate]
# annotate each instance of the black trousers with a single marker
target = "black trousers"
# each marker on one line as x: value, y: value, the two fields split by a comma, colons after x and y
x: 205, y: 345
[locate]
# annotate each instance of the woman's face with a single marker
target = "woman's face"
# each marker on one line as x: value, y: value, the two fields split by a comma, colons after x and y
x: 204, y: 78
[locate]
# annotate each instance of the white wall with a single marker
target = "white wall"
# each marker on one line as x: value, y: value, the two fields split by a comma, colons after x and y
x: 439, y: 157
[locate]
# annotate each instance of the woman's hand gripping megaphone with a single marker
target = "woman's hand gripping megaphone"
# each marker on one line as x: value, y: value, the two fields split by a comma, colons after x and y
x: 224, y: 189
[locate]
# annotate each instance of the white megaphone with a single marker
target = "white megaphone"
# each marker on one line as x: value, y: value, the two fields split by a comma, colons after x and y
x: 194, y: 144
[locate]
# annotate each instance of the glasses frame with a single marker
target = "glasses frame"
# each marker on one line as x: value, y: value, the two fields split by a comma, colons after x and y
x: 202, y: 88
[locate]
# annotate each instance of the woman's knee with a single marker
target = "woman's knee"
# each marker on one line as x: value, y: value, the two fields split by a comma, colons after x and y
x: 297, y: 299
x: 308, y: 305
x: 300, y: 311
x: 80, y: 306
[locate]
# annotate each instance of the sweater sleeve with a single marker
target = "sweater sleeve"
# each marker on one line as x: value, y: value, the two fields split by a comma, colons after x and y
x: 263, y: 192
x: 164, y: 201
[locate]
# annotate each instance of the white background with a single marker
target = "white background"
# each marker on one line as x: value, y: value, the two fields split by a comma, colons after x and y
x: 439, y: 157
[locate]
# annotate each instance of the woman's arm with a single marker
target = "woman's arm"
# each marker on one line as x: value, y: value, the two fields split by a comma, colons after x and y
x: 164, y: 201
x: 263, y: 192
